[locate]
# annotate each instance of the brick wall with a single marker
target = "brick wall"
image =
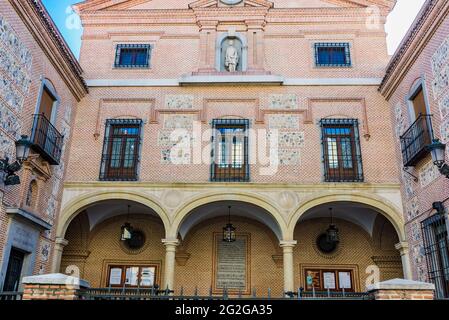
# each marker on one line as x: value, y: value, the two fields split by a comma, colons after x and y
x: 18, y: 99
x: 432, y: 186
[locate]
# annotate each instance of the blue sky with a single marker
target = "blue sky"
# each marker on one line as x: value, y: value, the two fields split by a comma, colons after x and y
x: 397, y: 25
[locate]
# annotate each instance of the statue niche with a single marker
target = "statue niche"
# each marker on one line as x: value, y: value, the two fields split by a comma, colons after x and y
x: 231, y: 55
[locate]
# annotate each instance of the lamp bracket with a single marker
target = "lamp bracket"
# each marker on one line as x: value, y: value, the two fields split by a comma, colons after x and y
x: 415, y: 178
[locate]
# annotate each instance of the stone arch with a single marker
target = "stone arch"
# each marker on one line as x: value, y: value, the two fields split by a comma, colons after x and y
x: 183, y: 212
x: 381, y: 205
x: 78, y: 204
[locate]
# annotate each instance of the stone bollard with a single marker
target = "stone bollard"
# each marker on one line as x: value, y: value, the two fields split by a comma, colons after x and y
x: 56, y: 286
x: 401, y: 289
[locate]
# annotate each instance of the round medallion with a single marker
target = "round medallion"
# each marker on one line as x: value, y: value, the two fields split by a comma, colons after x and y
x: 231, y: 2
x: 325, y: 246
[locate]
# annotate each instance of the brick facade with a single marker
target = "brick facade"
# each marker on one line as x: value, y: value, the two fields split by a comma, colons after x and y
x: 24, y: 64
x: 421, y: 61
x: 281, y: 91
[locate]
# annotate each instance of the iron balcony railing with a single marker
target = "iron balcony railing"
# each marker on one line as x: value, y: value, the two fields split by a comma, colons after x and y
x: 415, y: 140
x: 46, y: 139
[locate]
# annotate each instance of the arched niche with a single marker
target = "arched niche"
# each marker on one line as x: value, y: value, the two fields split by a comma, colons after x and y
x: 241, y: 44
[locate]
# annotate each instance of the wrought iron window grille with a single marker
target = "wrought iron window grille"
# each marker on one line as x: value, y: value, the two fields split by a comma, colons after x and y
x: 332, y: 54
x: 121, y: 150
x: 342, y: 156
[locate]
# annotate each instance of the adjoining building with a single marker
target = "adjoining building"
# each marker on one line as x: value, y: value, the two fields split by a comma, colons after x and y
x: 40, y: 86
x: 416, y: 86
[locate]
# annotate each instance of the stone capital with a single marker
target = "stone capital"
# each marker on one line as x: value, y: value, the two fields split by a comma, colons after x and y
x: 402, y: 247
x: 170, y: 243
x: 288, y: 244
x: 61, y: 242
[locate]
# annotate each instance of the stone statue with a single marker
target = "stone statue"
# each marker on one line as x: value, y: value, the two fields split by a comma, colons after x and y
x: 232, y: 57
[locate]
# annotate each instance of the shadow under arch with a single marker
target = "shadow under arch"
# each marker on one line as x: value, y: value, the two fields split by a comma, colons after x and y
x: 185, y: 211
x: 78, y: 204
x: 380, y: 205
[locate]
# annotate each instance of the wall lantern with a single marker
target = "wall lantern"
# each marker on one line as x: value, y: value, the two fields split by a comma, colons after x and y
x: 332, y: 232
x: 127, y: 229
x: 437, y: 149
x: 229, y: 230
x: 10, y: 169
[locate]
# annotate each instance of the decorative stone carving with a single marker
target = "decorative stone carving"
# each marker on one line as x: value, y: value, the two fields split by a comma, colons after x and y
x: 440, y: 68
x: 428, y: 173
x: 418, y: 254
x: 176, y: 156
x: 45, y: 251
x: 10, y: 123
x: 283, y: 121
x: 416, y: 231
x: 408, y: 185
x: 178, y: 121
x: 444, y: 129
x: 7, y: 147
x: 412, y: 208
x: 288, y: 157
x: 401, y: 124
x: 170, y: 138
x: 291, y: 139
x: 173, y: 101
x: 172, y: 198
x: 287, y: 199
x: 444, y: 106
x: 10, y: 95
x: 284, y: 102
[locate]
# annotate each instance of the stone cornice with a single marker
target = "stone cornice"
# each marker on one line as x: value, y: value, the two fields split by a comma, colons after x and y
x: 384, y: 5
x: 51, y: 42
x: 420, y: 33
x: 188, y: 16
x: 393, y: 187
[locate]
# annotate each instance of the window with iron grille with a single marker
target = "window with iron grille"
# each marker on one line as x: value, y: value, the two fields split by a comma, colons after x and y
x: 121, y: 150
x: 436, y: 246
x: 230, y: 150
x: 133, y: 56
x: 332, y: 55
x: 341, y: 150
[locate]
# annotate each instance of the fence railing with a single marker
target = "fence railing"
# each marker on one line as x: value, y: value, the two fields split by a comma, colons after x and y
x: 157, y: 294
x: 46, y: 139
x: 10, y: 296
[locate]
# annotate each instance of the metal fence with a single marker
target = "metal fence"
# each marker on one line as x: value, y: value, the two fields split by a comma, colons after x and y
x: 157, y: 294
x: 10, y: 296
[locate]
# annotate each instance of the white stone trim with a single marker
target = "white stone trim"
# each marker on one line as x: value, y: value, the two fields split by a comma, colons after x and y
x: 56, y: 279
x: 401, y: 284
x: 204, y: 80
x: 332, y: 81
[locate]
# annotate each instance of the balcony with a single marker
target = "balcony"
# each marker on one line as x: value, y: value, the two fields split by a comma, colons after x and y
x: 47, y: 141
x: 415, y: 140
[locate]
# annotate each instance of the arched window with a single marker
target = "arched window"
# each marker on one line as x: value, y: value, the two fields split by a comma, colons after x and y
x: 31, y: 194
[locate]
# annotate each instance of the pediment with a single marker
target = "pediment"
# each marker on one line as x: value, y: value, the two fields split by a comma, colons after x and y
x: 217, y: 3
x: 97, y: 5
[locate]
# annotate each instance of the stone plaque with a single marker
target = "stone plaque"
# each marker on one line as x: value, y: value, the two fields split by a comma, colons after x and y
x: 231, y: 265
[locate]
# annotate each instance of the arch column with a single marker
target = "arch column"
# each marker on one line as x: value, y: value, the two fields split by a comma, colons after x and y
x: 403, y: 249
x: 170, y: 261
x: 289, y: 278
x: 60, y: 244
